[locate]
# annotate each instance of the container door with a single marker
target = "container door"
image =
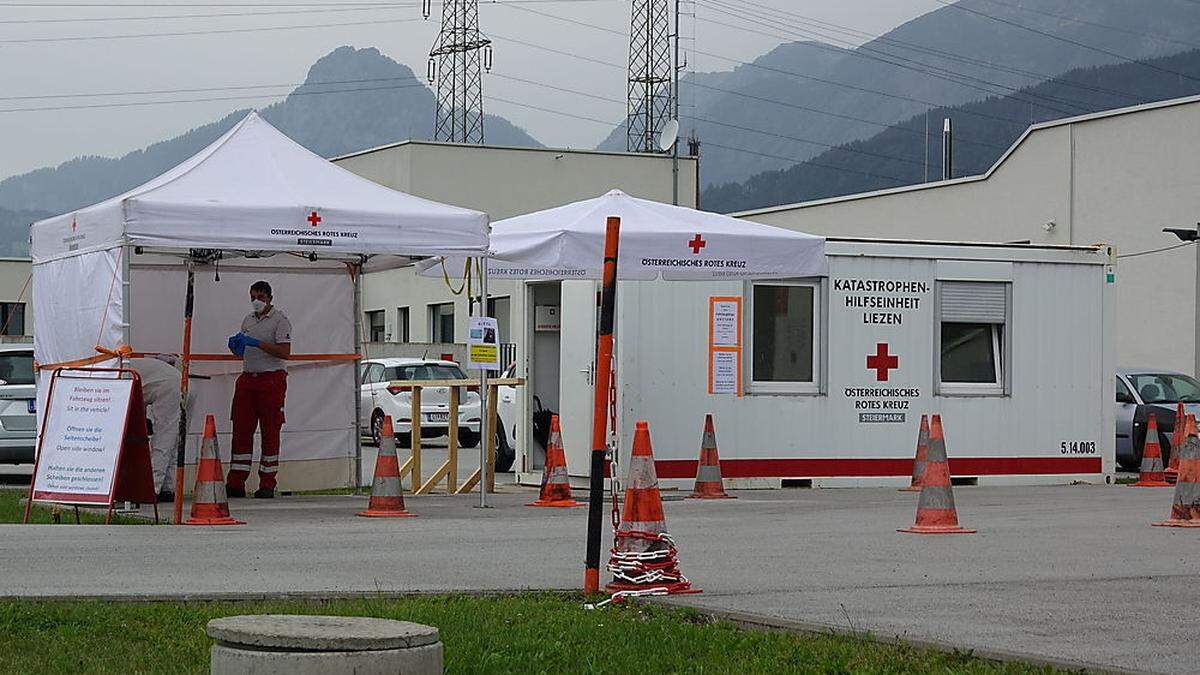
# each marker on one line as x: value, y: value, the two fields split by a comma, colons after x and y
x: 577, y: 335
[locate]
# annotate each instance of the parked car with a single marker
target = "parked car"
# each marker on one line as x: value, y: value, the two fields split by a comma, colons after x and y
x: 1141, y: 391
x: 18, y: 396
x: 383, y: 393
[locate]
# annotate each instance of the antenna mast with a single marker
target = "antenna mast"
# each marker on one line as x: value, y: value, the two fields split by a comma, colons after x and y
x: 456, y: 64
x: 650, y: 99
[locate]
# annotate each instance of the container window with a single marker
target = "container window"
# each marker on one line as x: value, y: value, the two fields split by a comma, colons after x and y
x: 784, y: 338
x: 971, y: 337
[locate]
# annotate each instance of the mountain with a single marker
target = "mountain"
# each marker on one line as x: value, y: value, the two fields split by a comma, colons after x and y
x: 983, y: 131
x: 14, y: 231
x: 803, y: 97
x: 351, y: 99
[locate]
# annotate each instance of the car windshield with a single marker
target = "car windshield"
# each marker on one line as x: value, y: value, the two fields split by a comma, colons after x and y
x: 426, y: 371
x: 1166, y: 388
x: 16, y: 367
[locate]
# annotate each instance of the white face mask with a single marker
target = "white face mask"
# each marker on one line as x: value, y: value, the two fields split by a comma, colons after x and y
x: 258, y: 306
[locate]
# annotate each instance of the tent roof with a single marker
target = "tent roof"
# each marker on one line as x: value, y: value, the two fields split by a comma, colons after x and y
x: 256, y: 189
x: 674, y: 242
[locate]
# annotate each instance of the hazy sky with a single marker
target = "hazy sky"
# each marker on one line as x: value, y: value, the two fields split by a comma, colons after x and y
x: 36, y: 63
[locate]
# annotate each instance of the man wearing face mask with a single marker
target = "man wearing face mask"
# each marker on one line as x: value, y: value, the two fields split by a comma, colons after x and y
x: 263, y: 344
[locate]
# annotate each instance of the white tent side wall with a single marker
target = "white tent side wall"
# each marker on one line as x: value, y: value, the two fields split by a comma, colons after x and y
x: 318, y: 443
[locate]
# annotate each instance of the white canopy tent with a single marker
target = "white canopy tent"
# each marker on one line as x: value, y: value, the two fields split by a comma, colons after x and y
x: 657, y: 240
x: 252, y: 205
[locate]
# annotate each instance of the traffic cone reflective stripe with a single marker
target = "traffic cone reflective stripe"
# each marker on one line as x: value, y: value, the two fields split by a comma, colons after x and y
x: 709, y: 484
x: 1177, y: 438
x: 1185, y: 508
x: 210, y: 504
x: 387, y: 494
x: 644, y: 556
x: 556, y: 484
x: 935, y: 509
x: 918, y: 471
x: 1152, y: 473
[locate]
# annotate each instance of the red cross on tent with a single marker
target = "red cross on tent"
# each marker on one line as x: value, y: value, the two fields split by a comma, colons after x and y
x: 697, y: 244
x: 313, y: 219
x: 881, y: 362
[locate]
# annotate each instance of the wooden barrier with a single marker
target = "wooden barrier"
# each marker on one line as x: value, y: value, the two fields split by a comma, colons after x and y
x: 448, y: 471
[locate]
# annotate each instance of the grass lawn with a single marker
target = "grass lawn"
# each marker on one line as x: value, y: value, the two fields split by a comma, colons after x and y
x: 12, y: 510
x: 519, y: 634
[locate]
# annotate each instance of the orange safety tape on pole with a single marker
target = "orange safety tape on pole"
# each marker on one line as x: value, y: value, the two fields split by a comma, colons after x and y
x: 604, y: 350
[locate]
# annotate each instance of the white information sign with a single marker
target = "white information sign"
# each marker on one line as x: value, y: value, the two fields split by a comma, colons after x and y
x: 81, y: 439
x: 724, y: 372
x: 726, y: 315
x: 483, y: 343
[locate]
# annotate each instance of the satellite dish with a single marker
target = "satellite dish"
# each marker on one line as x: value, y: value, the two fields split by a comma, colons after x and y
x: 669, y: 135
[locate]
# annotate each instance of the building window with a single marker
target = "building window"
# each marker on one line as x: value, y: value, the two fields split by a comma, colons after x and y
x: 375, y: 326
x: 12, y: 318
x: 441, y: 323
x: 784, y: 337
x: 402, y: 324
x: 972, y: 318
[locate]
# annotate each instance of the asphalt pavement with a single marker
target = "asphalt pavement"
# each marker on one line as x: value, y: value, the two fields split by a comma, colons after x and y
x: 1066, y: 572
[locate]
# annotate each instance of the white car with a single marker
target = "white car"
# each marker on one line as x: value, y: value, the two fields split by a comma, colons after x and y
x: 18, y: 396
x: 384, y: 393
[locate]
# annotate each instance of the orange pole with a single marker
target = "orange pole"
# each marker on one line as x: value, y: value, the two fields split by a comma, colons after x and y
x: 181, y: 442
x: 604, y: 350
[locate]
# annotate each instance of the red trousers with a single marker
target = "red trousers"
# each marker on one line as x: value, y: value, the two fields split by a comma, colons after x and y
x: 257, y: 403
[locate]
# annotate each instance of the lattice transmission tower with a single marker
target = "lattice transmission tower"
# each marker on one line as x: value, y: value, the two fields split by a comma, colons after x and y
x: 456, y: 63
x: 650, y: 74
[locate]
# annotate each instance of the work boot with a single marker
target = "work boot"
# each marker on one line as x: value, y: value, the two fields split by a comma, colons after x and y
x: 233, y: 492
x: 264, y: 493
x: 166, y: 496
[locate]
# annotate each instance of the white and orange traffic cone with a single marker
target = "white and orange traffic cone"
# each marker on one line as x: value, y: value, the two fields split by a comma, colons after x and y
x: 1152, y: 465
x: 387, y: 494
x: 643, y: 556
x: 1177, y: 438
x: 210, y: 504
x: 556, y: 486
x: 935, y: 509
x: 1185, y: 509
x: 918, y: 471
x: 709, y: 484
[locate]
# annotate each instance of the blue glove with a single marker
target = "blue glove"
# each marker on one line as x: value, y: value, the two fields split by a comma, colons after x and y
x: 237, y: 344
x: 248, y: 341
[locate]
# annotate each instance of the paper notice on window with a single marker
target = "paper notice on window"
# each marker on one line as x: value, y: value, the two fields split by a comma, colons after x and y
x: 726, y: 322
x: 724, y: 375
x: 81, y: 440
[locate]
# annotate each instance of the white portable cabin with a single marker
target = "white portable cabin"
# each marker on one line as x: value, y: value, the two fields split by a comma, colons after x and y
x: 1011, y: 344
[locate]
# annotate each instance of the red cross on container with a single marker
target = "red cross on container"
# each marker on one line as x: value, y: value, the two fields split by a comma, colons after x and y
x: 313, y: 218
x: 697, y: 244
x: 881, y: 362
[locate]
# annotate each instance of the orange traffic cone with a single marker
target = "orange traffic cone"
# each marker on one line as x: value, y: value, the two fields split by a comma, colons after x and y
x: 708, y: 473
x: 1177, y: 439
x: 935, y: 509
x: 387, y: 495
x: 643, y: 556
x: 918, y: 471
x: 1185, y: 510
x: 556, y: 487
x: 210, y: 505
x: 1152, y: 466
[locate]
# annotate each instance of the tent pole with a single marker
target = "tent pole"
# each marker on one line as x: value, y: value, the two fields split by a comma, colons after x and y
x: 186, y: 356
x: 485, y: 420
x: 358, y: 475
x: 604, y: 351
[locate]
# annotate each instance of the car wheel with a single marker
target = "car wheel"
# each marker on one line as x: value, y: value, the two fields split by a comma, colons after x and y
x: 467, y: 438
x: 505, y: 455
x: 376, y: 426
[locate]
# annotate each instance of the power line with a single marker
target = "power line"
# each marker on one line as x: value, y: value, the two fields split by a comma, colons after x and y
x: 1072, y: 19
x: 951, y: 3
x: 216, y: 31
x: 1156, y: 250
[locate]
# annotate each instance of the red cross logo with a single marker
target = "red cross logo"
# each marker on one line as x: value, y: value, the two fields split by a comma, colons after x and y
x: 72, y: 224
x: 697, y: 244
x: 881, y: 362
x: 313, y: 218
